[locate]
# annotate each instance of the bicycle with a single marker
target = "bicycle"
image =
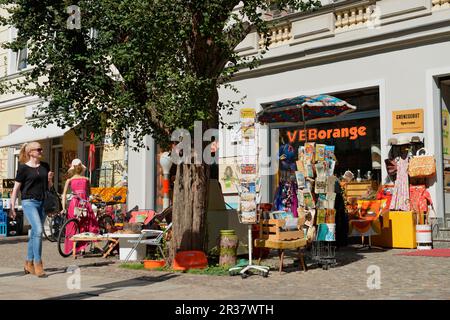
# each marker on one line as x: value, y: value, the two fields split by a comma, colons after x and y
x: 52, y: 226
x: 105, y: 223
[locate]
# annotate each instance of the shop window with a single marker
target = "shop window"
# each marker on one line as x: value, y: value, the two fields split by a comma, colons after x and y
x: 21, y: 59
x: 445, y: 93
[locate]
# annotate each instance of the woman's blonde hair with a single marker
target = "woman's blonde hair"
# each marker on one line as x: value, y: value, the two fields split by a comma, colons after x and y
x: 25, y: 150
x: 77, y: 169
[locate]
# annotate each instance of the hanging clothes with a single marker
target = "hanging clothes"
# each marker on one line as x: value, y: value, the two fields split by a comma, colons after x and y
x: 400, y: 196
x: 288, y: 163
x: 286, y: 197
x: 420, y: 198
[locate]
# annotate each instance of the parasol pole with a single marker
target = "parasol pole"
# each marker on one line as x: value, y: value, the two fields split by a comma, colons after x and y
x: 304, y: 124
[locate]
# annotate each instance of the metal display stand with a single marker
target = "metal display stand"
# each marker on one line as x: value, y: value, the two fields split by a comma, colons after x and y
x: 249, y: 269
x: 246, y: 271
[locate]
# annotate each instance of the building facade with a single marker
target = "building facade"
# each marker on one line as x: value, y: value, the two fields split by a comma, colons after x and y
x: 383, y: 56
x: 61, y: 146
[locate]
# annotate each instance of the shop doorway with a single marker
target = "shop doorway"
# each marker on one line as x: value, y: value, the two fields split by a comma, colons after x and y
x: 356, y: 136
x: 58, y: 166
x: 445, y: 107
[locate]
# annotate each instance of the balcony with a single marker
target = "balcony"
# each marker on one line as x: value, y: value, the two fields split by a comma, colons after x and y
x: 333, y: 20
x: 441, y: 4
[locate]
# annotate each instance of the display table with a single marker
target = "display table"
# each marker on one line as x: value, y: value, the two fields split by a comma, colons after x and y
x: 76, y: 238
x: 397, y: 230
x: 126, y: 246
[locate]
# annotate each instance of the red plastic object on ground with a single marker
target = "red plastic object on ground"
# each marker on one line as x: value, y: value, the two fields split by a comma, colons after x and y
x: 185, y: 260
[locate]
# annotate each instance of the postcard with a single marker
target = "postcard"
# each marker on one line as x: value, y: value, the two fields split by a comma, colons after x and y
x: 308, y: 199
x: 309, y: 151
x: 301, y: 166
x: 247, y: 196
x: 331, y: 184
x: 248, y: 206
x: 309, y: 217
x: 320, y: 152
x: 320, y: 170
x: 321, y: 216
x: 309, y: 170
x: 248, y: 168
x: 300, y: 177
x: 330, y: 216
x: 322, y: 201
x: 320, y: 186
x: 329, y: 153
x: 331, y: 165
x: 248, y: 217
x: 248, y: 187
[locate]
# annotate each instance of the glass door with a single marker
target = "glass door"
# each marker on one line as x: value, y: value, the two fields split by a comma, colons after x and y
x: 445, y: 94
x: 58, y: 167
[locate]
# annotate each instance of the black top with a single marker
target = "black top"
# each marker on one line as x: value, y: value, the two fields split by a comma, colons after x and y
x: 34, y: 181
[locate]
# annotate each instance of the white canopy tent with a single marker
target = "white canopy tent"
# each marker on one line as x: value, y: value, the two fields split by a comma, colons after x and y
x: 27, y: 133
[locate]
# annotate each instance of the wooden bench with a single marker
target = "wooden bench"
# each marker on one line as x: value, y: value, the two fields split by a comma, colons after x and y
x: 112, y: 243
x: 272, y: 236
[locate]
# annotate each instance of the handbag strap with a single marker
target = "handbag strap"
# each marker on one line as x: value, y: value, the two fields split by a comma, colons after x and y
x: 421, y: 149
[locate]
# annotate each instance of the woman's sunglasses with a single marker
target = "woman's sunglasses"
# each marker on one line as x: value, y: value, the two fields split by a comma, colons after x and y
x: 38, y: 149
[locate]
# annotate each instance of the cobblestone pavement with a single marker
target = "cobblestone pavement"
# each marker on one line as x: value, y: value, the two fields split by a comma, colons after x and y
x: 402, y: 277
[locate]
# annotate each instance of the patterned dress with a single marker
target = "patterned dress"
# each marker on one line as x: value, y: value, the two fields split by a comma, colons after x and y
x: 400, y: 194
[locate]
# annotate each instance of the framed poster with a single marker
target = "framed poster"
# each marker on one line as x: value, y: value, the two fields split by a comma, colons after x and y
x: 229, y: 174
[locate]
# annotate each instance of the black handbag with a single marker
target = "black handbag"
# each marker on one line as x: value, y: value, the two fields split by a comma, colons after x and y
x: 52, y: 202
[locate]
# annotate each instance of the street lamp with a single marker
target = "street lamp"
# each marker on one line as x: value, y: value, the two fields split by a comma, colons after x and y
x: 166, y: 163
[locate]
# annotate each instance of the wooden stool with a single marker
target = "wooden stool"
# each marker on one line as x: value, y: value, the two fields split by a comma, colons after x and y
x: 281, y: 245
x: 111, y: 245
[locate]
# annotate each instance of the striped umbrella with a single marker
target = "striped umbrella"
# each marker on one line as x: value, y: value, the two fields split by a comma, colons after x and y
x: 302, y: 109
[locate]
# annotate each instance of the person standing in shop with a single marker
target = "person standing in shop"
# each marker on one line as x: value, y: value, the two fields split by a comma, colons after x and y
x: 33, y: 179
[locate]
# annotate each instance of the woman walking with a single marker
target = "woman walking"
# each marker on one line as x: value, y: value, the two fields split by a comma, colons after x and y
x: 80, y: 187
x: 33, y: 179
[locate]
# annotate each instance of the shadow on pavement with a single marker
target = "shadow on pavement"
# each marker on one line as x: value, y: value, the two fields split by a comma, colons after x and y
x: 52, y: 271
x: 12, y: 274
x: 344, y: 256
x: 115, y: 286
x: 13, y: 240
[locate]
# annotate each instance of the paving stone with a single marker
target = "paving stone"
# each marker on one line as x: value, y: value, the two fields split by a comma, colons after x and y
x: 409, y: 278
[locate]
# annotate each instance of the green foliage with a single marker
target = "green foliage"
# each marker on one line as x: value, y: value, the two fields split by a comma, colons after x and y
x: 213, y: 270
x: 171, y: 57
x: 132, y: 266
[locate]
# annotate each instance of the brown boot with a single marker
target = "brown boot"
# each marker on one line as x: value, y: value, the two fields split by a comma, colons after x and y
x: 39, y: 269
x: 29, y: 267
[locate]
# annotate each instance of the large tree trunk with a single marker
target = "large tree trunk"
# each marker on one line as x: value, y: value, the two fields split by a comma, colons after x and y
x: 190, y: 201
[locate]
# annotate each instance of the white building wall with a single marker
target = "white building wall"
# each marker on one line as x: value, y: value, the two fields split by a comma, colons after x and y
x: 401, y: 76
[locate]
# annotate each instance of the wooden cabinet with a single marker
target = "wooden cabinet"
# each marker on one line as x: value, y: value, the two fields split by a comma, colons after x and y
x: 359, y: 189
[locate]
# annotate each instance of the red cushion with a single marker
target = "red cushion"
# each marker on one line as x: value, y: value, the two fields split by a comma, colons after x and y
x: 185, y: 260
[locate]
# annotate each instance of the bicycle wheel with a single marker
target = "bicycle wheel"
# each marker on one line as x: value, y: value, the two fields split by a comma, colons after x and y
x: 71, y: 227
x: 105, y: 224
x: 57, y: 222
x: 47, y: 227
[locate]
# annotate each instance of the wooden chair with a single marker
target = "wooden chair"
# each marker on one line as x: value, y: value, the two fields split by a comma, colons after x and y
x: 272, y: 236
